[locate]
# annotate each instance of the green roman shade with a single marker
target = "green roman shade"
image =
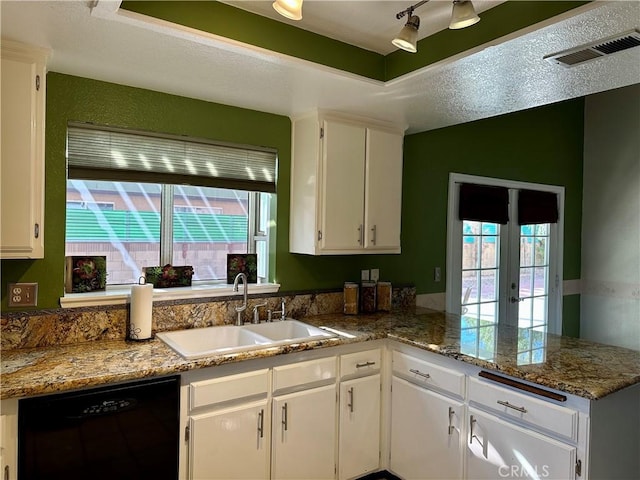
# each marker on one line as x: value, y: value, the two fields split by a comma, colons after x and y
x: 104, y: 153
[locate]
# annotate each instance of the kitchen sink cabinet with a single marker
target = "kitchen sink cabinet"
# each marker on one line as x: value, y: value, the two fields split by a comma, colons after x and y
x: 22, y: 160
x: 231, y: 443
x: 346, y: 186
x: 229, y: 426
x: 304, y: 434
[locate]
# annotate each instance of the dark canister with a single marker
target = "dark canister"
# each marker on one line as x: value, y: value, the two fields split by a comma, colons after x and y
x: 368, y: 297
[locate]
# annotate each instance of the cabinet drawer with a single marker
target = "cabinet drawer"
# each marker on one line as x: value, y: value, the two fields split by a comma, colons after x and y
x: 536, y: 412
x: 297, y: 374
x: 425, y: 373
x: 360, y: 363
x: 232, y: 387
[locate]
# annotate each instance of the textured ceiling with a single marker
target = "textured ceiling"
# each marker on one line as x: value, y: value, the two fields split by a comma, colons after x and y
x: 505, y: 76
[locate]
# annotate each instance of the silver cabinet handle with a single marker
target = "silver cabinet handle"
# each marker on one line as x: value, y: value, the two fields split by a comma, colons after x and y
x: 261, y: 423
x: 472, y: 422
x: 373, y: 234
x: 350, y: 404
x: 285, y: 423
x: 508, y: 405
x: 365, y: 364
x: 360, y: 235
x: 418, y: 372
x: 451, y: 414
x: 36, y: 230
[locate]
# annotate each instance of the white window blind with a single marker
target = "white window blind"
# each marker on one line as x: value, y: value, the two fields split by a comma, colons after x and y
x: 104, y: 153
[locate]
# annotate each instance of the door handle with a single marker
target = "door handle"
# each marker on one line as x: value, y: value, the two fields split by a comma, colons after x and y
x: 350, y: 404
x: 285, y: 422
x: 472, y: 422
x: 451, y: 414
x: 261, y: 423
x: 516, y: 299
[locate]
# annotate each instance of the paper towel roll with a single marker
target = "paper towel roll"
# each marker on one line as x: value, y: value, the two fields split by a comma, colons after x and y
x: 141, y: 307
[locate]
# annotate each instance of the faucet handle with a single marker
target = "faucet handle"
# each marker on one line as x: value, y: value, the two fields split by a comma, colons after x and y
x: 256, y: 312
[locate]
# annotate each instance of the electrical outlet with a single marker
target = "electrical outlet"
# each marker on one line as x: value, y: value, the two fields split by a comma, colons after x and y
x: 23, y: 294
x: 364, y: 275
x: 436, y: 274
x: 375, y: 274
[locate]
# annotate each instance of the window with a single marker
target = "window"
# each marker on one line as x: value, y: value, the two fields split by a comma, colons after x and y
x: 187, y: 213
x: 502, y: 271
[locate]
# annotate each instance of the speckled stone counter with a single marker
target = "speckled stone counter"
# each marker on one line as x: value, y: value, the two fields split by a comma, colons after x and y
x: 579, y: 367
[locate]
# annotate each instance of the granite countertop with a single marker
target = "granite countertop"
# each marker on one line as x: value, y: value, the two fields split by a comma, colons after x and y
x: 575, y: 366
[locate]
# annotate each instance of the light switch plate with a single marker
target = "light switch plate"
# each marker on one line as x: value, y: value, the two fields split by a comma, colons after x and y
x: 23, y: 294
x: 364, y: 275
x: 375, y: 274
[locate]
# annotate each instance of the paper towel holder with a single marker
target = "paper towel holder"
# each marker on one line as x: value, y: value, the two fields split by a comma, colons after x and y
x: 140, y: 312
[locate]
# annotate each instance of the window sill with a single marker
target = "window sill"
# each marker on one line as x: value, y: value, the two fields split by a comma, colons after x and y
x: 121, y: 295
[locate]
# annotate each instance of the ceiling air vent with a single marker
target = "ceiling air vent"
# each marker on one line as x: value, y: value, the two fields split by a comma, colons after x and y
x: 597, y: 49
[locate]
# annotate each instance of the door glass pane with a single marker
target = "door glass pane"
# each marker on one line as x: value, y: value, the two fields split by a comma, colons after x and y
x: 119, y: 220
x: 480, y: 279
x: 208, y: 223
x: 533, y: 306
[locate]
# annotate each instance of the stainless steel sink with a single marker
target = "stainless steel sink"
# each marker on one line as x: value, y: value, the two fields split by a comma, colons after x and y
x: 202, y: 342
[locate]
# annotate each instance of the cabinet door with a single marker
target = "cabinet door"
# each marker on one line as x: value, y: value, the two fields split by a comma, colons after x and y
x: 9, y: 439
x: 304, y: 435
x: 383, y: 190
x: 230, y: 444
x: 22, y: 159
x: 359, y: 451
x: 498, y: 449
x: 342, y: 189
x: 425, y: 433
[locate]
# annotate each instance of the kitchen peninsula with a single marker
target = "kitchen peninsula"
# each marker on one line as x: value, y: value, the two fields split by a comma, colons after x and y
x: 594, y: 387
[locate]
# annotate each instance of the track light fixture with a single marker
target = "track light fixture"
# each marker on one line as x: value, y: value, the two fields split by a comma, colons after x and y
x: 462, y: 15
x: 289, y: 8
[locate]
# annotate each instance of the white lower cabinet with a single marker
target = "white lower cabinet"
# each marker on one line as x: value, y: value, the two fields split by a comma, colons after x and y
x: 500, y: 449
x: 425, y: 433
x: 231, y: 443
x: 359, y: 443
x: 304, y: 434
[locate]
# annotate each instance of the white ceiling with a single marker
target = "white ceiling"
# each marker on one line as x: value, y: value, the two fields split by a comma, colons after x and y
x: 507, y: 75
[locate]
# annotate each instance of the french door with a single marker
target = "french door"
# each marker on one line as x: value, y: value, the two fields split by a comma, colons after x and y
x: 504, y: 274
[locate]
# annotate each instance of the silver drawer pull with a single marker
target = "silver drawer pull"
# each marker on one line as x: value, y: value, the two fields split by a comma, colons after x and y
x: 418, y: 372
x: 365, y: 364
x: 507, y: 404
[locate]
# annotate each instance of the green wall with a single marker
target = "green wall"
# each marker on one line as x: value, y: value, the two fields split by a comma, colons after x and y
x: 78, y: 99
x: 542, y: 145
x: 229, y: 22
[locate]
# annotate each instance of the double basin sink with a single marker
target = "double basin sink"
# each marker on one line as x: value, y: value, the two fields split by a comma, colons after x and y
x: 202, y: 342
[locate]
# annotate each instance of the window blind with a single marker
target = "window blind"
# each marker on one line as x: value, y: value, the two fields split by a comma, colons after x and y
x: 103, y: 153
x: 483, y: 203
x: 535, y: 207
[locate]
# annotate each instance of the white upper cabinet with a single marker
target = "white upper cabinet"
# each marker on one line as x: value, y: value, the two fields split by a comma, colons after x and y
x: 346, y: 187
x: 22, y: 159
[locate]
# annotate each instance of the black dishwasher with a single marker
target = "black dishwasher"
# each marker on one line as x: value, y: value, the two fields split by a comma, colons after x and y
x: 121, y: 432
